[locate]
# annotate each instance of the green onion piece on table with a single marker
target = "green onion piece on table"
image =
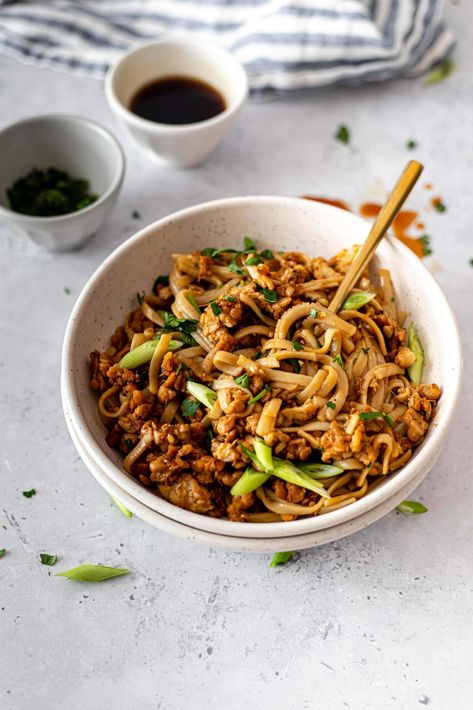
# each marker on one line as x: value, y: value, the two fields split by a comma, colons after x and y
x: 281, y: 558
x: 46, y: 559
x: 204, y: 394
x: 93, y: 573
x: 415, y: 370
x: 411, y: 507
x: 249, y: 481
x: 355, y: 301
x: 127, y: 513
x: 3, y: 552
x: 144, y: 352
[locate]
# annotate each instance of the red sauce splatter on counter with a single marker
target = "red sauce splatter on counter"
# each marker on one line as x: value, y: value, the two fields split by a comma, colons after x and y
x: 327, y: 201
x: 401, y: 224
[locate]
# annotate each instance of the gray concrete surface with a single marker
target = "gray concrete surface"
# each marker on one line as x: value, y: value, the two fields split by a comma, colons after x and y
x: 380, y: 620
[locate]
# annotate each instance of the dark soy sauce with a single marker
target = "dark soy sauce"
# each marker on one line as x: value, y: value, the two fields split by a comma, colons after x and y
x: 177, y: 100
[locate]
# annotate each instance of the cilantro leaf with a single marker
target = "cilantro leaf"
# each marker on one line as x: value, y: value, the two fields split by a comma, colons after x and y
x: 189, y: 407
x: 46, y: 559
x: 332, y: 405
x: 364, y: 416
x: 160, y: 281
x: 253, y: 261
x: 249, y: 244
x: 186, y: 326
x: 270, y: 295
x: 266, y: 254
x: 29, y: 494
x: 296, y: 345
x: 343, y: 134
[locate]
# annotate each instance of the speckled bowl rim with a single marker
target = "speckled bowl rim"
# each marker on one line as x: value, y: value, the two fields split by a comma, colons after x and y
x: 424, y: 457
x: 228, y: 542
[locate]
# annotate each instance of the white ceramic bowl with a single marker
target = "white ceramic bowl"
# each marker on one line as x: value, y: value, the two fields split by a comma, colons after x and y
x: 76, y: 145
x: 278, y: 223
x: 188, y: 144
x: 229, y: 542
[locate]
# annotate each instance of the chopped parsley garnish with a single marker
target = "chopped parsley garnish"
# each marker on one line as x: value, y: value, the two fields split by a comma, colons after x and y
x: 186, y: 326
x: 29, y: 494
x: 270, y: 295
x: 439, y: 206
x: 216, y: 310
x: 441, y: 71
x: 225, y: 297
x: 411, y: 144
x: 46, y: 559
x: 332, y: 405
x: 281, y: 558
x: 189, y: 407
x: 212, y: 252
x: 49, y: 193
x: 135, y: 214
x: 375, y: 415
x: 313, y: 313
x: 253, y: 261
x: 249, y: 244
x: 343, y: 134
x: 140, y: 297
x: 67, y: 290
x: 411, y: 507
x: 339, y: 361
x: 266, y: 254
x: 294, y: 363
x: 243, y: 380
x: 425, y: 243
x: 2, y: 552
x: 236, y: 269
x: 160, y: 281
x: 296, y: 345
x: 258, y: 396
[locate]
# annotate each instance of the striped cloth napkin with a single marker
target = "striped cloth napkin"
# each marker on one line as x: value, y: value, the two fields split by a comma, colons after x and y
x: 285, y: 45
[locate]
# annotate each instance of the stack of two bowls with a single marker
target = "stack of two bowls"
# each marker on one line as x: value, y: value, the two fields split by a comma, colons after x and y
x: 280, y: 224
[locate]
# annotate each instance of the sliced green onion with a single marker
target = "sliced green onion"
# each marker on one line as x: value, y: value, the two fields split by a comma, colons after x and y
x: 193, y: 302
x: 415, y: 370
x: 46, y: 559
x: 339, y: 361
x: 281, y: 558
x: 411, y: 507
x: 355, y: 301
x: 143, y: 353
x: 259, y: 395
x: 321, y: 470
x: 264, y: 454
x: 216, y: 310
x: 292, y: 474
x: 252, y: 456
x: 203, y: 393
x: 92, y: 573
x: 249, y: 481
x: 364, y: 416
x: 243, y: 380
x: 127, y: 513
x: 3, y: 552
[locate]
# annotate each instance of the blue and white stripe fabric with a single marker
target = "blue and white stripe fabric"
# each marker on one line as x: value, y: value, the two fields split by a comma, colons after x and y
x: 285, y: 45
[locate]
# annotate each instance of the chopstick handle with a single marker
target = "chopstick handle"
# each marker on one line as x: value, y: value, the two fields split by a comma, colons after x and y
x: 383, y: 221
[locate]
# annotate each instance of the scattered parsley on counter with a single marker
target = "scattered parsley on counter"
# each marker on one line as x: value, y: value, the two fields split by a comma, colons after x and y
x: 2, y: 552
x: 29, y: 494
x: 49, y: 193
x: 411, y: 144
x: 425, y: 242
x: 441, y: 71
x: 439, y: 206
x: 343, y: 134
x: 46, y: 559
x: 67, y: 290
x: 135, y: 214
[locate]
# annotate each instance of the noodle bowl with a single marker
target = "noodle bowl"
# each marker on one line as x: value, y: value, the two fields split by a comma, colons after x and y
x: 233, y: 391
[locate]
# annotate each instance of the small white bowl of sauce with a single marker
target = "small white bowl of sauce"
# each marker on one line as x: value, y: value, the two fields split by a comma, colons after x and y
x: 178, y: 98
